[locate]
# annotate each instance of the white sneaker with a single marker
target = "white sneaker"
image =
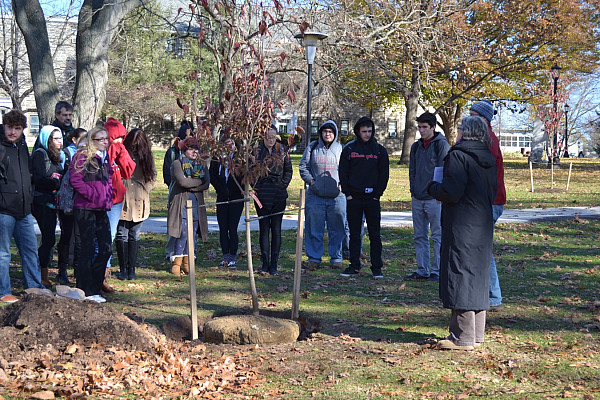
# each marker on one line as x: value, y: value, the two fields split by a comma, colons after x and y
x: 97, y: 298
x: 232, y: 265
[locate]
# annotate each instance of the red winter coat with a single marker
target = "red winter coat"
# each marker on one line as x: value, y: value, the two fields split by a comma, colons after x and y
x: 122, y: 164
x: 497, y: 153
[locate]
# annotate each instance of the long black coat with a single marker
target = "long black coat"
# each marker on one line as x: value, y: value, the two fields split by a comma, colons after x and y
x: 467, y: 193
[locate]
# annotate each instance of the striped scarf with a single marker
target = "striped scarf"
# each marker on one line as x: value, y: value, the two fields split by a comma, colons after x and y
x: 192, y: 169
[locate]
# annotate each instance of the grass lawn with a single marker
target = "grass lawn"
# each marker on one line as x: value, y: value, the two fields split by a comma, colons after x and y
x: 584, y: 187
x: 376, y: 336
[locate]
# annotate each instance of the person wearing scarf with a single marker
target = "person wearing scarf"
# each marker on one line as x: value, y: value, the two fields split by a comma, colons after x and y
x: 189, y: 179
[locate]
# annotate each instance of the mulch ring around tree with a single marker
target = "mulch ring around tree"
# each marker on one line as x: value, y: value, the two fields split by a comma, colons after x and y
x: 55, y: 347
x: 180, y: 329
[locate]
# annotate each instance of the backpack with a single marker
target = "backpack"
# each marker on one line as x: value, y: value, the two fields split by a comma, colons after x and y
x: 66, y: 194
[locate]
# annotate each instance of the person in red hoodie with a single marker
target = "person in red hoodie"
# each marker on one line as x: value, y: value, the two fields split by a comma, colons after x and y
x: 123, y: 167
x: 485, y: 109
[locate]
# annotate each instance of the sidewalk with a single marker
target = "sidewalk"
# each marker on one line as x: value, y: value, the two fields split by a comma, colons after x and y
x: 404, y: 218
x: 398, y: 219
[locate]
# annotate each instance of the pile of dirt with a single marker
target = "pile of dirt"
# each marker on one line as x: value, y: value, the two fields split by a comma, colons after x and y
x: 37, y: 321
x: 76, y: 349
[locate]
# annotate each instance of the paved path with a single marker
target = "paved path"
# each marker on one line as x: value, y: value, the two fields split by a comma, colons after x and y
x: 404, y: 218
x: 399, y: 219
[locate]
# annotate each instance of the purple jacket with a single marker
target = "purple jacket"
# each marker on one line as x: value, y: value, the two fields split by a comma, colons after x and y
x: 93, y: 189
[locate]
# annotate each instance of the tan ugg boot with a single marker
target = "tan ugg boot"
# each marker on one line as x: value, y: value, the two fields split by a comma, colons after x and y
x: 176, y: 265
x: 45, y: 281
x: 185, y: 265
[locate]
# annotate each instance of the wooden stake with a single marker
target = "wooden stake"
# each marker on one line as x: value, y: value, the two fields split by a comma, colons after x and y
x: 569, y: 178
x: 298, y: 263
x: 531, y: 174
x: 249, y: 255
x: 192, y: 265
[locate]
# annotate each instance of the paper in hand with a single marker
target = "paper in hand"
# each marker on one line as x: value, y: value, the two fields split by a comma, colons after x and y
x: 438, y: 174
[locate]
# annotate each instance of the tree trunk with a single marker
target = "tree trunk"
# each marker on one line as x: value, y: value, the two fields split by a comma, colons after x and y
x: 450, y: 115
x: 410, y: 125
x: 30, y: 19
x: 97, y: 25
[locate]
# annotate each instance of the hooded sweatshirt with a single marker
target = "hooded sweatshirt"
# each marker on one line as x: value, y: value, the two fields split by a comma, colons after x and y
x: 42, y: 169
x: 320, y: 164
x: 121, y: 162
x: 364, y: 166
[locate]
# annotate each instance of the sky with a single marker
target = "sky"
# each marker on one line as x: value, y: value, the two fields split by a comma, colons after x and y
x: 53, y: 7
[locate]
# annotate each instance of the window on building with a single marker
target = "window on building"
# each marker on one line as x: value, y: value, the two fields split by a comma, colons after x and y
x: 34, y: 124
x: 314, y: 128
x: 73, y: 34
x: 392, y: 127
x: 344, y: 126
x: 177, y: 47
x: 282, y: 125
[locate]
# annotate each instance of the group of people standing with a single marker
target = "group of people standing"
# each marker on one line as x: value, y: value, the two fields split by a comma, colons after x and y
x: 459, y: 204
x: 457, y: 193
x: 107, y: 175
x: 345, y: 184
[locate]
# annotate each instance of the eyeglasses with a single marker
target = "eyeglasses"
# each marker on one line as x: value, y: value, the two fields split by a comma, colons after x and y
x: 102, y: 140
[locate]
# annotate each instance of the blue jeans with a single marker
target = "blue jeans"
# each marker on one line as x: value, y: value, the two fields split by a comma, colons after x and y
x: 320, y: 210
x: 495, y: 292
x: 22, y: 230
x: 426, y: 215
x: 113, y: 218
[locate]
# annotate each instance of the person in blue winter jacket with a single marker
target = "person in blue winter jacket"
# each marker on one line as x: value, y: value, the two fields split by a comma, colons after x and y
x: 364, y: 174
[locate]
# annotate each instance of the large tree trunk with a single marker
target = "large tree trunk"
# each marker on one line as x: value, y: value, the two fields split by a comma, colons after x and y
x: 410, y: 125
x: 30, y: 19
x: 450, y: 115
x: 98, y: 21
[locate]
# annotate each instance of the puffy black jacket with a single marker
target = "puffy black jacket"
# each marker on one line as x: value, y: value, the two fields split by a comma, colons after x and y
x: 272, y: 189
x: 15, y: 191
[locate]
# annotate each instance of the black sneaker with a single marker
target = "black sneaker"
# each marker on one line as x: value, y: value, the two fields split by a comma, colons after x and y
x: 349, y: 272
x: 433, y: 278
x: 415, y: 277
x: 377, y: 273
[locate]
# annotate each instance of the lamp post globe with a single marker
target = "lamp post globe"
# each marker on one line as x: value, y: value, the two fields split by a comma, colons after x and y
x: 310, y: 40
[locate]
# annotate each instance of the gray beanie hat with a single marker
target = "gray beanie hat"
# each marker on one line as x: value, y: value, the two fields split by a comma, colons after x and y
x: 485, y: 109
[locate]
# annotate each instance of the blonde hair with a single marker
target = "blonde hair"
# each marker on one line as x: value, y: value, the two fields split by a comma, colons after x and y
x: 89, y: 152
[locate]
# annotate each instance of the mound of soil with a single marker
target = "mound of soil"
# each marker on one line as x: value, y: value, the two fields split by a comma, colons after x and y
x: 37, y: 321
x: 80, y: 349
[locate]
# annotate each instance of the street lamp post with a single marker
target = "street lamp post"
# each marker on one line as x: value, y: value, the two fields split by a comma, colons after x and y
x: 566, y: 108
x: 310, y: 39
x: 555, y: 71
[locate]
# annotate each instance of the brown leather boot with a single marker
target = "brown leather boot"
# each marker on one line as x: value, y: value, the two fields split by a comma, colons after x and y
x: 185, y: 265
x: 176, y: 265
x: 45, y: 281
x: 106, y: 288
